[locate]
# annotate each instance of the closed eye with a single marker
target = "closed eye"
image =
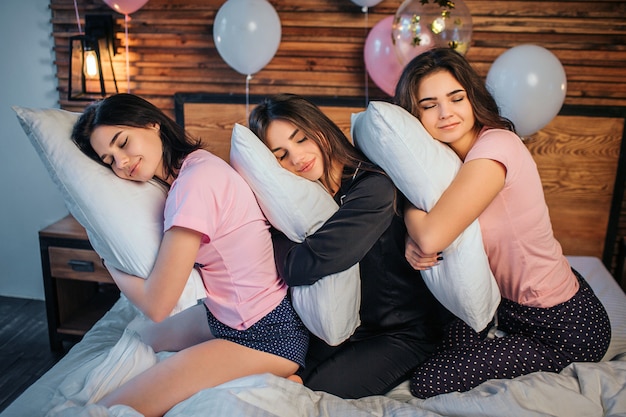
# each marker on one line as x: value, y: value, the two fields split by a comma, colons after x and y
x: 281, y: 157
x: 107, y: 161
x: 458, y: 98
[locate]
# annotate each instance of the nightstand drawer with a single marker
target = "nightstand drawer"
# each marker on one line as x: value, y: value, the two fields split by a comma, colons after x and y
x: 80, y: 264
x: 79, y: 290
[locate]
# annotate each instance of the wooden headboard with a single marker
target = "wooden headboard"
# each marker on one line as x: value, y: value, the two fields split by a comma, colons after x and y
x: 211, y: 117
x: 580, y: 156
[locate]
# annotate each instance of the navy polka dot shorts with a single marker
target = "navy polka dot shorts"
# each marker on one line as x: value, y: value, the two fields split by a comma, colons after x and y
x: 281, y: 333
x: 536, y: 339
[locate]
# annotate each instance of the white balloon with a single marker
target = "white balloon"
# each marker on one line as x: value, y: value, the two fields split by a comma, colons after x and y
x: 366, y: 3
x: 247, y: 34
x: 529, y: 85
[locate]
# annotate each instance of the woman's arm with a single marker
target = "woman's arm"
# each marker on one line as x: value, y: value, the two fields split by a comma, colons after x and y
x: 345, y: 238
x: 472, y: 190
x: 157, y: 296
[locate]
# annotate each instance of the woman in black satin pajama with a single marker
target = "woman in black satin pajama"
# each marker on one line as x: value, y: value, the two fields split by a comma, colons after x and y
x: 401, y: 321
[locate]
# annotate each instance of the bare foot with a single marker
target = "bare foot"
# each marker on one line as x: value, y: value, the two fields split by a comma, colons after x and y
x: 295, y: 378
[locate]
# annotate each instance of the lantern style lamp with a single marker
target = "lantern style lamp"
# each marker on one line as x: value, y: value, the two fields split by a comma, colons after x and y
x: 91, y: 72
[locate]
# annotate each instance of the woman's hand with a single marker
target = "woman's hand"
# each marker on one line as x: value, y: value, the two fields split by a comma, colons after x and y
x: 157, y: 295
x: 473, y: 189
x: 418, y: 259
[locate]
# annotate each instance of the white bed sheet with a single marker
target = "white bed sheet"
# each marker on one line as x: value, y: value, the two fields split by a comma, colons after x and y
x: 582, y: 389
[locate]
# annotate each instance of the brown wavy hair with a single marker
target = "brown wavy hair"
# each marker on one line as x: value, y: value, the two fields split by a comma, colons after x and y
x: 484, y: 106
x: 130, y: 110
x: 318, y: 127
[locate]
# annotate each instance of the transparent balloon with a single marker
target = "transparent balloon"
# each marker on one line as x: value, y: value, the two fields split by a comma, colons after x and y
x: 247, y: 34
x: 529, y: 85
x: 420, y: 25
x: 381, y: 61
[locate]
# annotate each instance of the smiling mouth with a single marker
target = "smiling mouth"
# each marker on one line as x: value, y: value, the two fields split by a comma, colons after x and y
x: 449, y: 126
x: 307, y: 166
x: 133, y: 169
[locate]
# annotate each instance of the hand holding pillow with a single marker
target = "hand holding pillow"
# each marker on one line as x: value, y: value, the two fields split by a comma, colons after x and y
x: 422, y: 168
x: 298, y: 207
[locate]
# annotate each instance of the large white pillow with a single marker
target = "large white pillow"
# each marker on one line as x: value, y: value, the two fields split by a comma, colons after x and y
x: 298, y: 207
x: 123, y: 219
x: 422, y: 168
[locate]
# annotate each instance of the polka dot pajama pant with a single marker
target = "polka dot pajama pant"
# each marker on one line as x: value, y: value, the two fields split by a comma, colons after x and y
x: 537, y: 339
x: 280, y: 332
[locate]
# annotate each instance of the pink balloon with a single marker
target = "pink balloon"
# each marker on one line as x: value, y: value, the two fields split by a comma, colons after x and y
x: 381, y: 60
x: 126, y: 6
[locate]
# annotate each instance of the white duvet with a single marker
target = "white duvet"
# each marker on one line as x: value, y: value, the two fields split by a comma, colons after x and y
x: 108, y: 355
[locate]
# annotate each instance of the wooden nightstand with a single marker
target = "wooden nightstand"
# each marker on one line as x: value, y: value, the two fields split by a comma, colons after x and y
x: 78, y: 289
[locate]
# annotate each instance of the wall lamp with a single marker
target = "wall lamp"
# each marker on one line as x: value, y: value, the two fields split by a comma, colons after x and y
x: 91, y: 73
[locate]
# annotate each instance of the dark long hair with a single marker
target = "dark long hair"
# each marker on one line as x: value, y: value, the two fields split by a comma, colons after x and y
x: 318, y: 127
x: 134, y: 111
x: 483, y: 104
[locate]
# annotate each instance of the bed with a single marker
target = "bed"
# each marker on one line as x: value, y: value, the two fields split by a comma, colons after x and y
x: 579, y: 155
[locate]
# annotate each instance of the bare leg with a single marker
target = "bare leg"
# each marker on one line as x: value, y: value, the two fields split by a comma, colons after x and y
x: 295, y: 378
x: 202, y: 366
x: 180, y: 331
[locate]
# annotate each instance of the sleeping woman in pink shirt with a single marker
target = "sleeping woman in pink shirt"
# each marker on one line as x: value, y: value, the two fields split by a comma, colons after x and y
x: 246, y: 325
x: 549, y: 316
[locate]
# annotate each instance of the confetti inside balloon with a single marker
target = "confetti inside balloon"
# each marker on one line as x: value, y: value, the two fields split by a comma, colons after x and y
x: 419, y: 25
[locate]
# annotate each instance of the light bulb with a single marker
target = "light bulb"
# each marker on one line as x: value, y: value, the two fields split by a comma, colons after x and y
x: 91, y: 64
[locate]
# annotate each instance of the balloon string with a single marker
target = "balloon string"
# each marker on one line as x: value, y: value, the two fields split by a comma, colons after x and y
x: 248, y: 78
x: 80, y: 29
x: 365, y: 69
x: 126, y: 20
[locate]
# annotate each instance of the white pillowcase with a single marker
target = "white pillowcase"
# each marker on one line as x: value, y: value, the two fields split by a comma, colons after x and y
x: 422, y: 168
x: 298, y: 207
x: 123, y: 219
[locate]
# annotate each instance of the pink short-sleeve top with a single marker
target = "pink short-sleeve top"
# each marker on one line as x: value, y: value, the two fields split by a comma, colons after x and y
x: 525, y: 257
x: 236, y: 257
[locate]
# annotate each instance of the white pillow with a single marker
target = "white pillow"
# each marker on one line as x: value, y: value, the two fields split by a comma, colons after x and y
x: 123, y: 219
x: 298, y: 207
x: 422, y: 168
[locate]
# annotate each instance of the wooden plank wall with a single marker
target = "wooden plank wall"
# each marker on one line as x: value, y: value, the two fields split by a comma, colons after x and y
x: 321, y: 51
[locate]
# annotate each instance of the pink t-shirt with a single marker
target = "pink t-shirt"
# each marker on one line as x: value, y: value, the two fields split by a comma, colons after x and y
x: 525, y: 258
x: 239, y: 273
